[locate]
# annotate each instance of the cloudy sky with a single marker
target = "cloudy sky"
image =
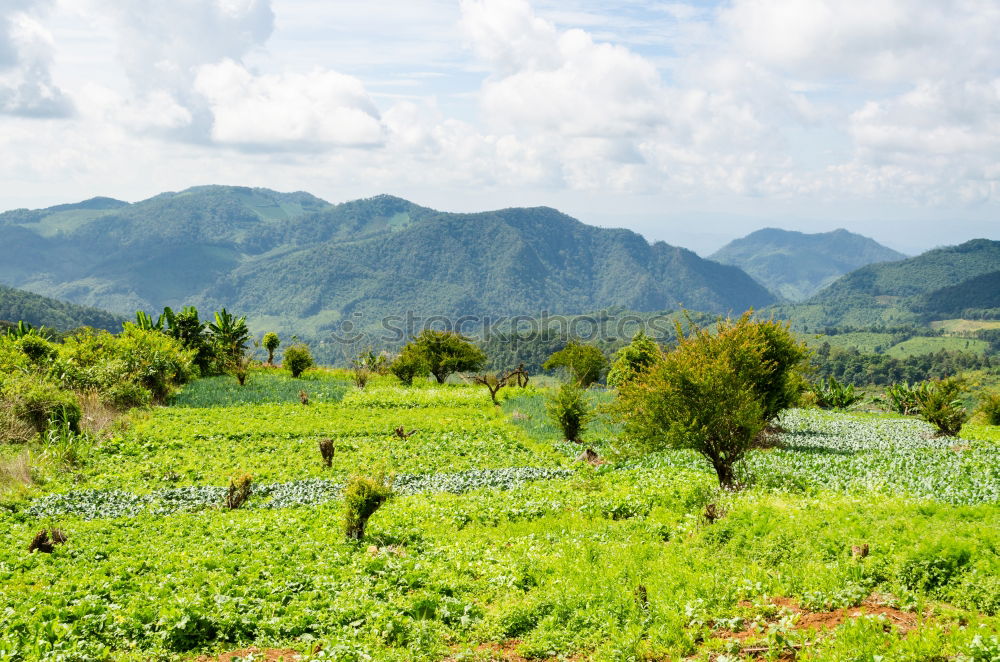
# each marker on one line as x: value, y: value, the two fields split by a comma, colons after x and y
x: 691, y: 122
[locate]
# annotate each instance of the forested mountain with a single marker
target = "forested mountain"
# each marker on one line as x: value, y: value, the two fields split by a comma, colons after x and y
x: 937, y: 284
x: 298, y: 264
x: 796, y: 265
x: 18, y: 305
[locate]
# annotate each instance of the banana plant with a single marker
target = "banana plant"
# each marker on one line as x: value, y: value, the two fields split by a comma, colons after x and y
x: 145, y: 322
x: 230, y: 333
x: 21, y: 330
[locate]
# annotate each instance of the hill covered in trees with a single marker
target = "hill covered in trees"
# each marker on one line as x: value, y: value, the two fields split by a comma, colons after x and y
x: 797, y: 265
x: 298, y: 264
x: 941, y: 283
x: 18, y: 305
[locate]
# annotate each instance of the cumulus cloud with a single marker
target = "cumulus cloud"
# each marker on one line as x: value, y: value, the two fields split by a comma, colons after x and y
x: 26, y: 85
x: 289, y: 110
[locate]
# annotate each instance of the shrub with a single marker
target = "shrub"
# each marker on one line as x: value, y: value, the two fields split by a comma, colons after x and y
x: 361, y: 374
x: 239, y: 491
x: 42, y: 404
x: 297, y: 359
x: 989, y: 407
x: 126, y: 395
x: 408, y: 365
x: 940, y: 406
x: 37, y: 349
x: 585, y: 363
x: 933, y: 567
x: 270, y: 343
x: 362, y: 497
x: 568, y: 408
x: 834, y: 395
x: 715, y: 392
x: 446, y: 352
x: 633, y: 359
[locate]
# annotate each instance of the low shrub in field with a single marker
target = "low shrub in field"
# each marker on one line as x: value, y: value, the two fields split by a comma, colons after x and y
x: 903, y: 398
x: 933, y: 567
x: 409, y: 364
x: 239, y: 491
x: 989, y: 407
x: 568, y: 408
x: 940, y: 406
x: 38, y: 350
x: 126, y: 395
x: 297, y: 359
x: 633, y: 359
x: 362, y: 497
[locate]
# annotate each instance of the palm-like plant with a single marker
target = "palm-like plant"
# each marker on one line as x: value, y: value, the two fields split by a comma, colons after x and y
x: 230, y: 334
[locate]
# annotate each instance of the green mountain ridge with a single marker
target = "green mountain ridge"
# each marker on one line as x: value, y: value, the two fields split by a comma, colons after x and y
x: 937, y: 284
x: 797, y: 265
x: 18, y: 305
x: 298, y: 264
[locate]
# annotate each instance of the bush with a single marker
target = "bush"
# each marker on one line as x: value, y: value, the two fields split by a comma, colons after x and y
x: 933, y: 567
x: 715, y: 392
x: 126, y: 395
x: 989, y: 407
x: 633, y: 359
x: 834, y: 395
x: 362, y: 497
x: 940, y: 406
x: 240, y: 489
x: 408, y: 365
x: 37, y: 349
x: 297, y: 359
x: 585, y: 363
x: 446, y: 352
x: 568, y: 408
x: 42, y: 405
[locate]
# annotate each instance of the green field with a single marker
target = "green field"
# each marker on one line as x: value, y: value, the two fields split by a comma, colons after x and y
x: 498, y: 544
x: 865, y: 342
x: 964, y: 326
x: 930, y: 345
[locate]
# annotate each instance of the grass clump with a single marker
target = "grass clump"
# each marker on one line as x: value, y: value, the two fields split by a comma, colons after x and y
x: 362, y: 497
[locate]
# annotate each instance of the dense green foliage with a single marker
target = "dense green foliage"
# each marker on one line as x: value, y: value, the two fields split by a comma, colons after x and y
x: 409, y: 364
x: 715, y: 392
x: 362, y: 497
x: 584, y: 364
x: 297, y: 359
x: 568, y: 408
x: 633, y: 359
x: 445, y: 353
x: 989, y: 407
x: 796, y: 265
x: 270, y: 342
x: 19, y: 305
x: 939, y: 405
x: 831, y: 394
x: 299, y: 265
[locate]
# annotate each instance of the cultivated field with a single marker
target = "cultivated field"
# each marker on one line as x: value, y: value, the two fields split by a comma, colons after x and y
x: 859, y: 537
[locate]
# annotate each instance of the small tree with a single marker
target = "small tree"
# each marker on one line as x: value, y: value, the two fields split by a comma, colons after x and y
x: 271, y: 342
x: 408, y: 365
x: 230, y: 334
x: 297, y: 359
x: 989, y: 407
x: 714, y: 393
x: 585, y: 363
x: 362, y: 497
x: 494, y: 382
x: 447, y: 352
x: 940, y: 406
x: 568, y: 408
x: 633, y: 359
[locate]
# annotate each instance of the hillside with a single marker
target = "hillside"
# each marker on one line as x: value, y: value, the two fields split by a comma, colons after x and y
x: 18, y: 305
x: 797, y: 265
x: 934, y: 285
x: 298, y: 264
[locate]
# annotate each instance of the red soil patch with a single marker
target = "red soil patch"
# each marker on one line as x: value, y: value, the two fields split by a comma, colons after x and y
x: 822, y: 620
x: 266, y: 655
x: 505, y: 652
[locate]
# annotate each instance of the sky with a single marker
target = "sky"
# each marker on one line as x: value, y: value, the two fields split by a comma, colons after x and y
x: 690, y: 122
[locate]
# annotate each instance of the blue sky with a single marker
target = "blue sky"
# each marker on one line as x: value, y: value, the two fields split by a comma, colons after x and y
x: 691, y: 122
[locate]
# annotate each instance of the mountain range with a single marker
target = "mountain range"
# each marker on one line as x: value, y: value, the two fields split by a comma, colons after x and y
x: 796, y: 265
x: 297, y: 264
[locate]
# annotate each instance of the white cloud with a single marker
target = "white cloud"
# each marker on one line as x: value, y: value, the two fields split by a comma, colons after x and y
x: 26, y: 86
x: 287, y: 111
